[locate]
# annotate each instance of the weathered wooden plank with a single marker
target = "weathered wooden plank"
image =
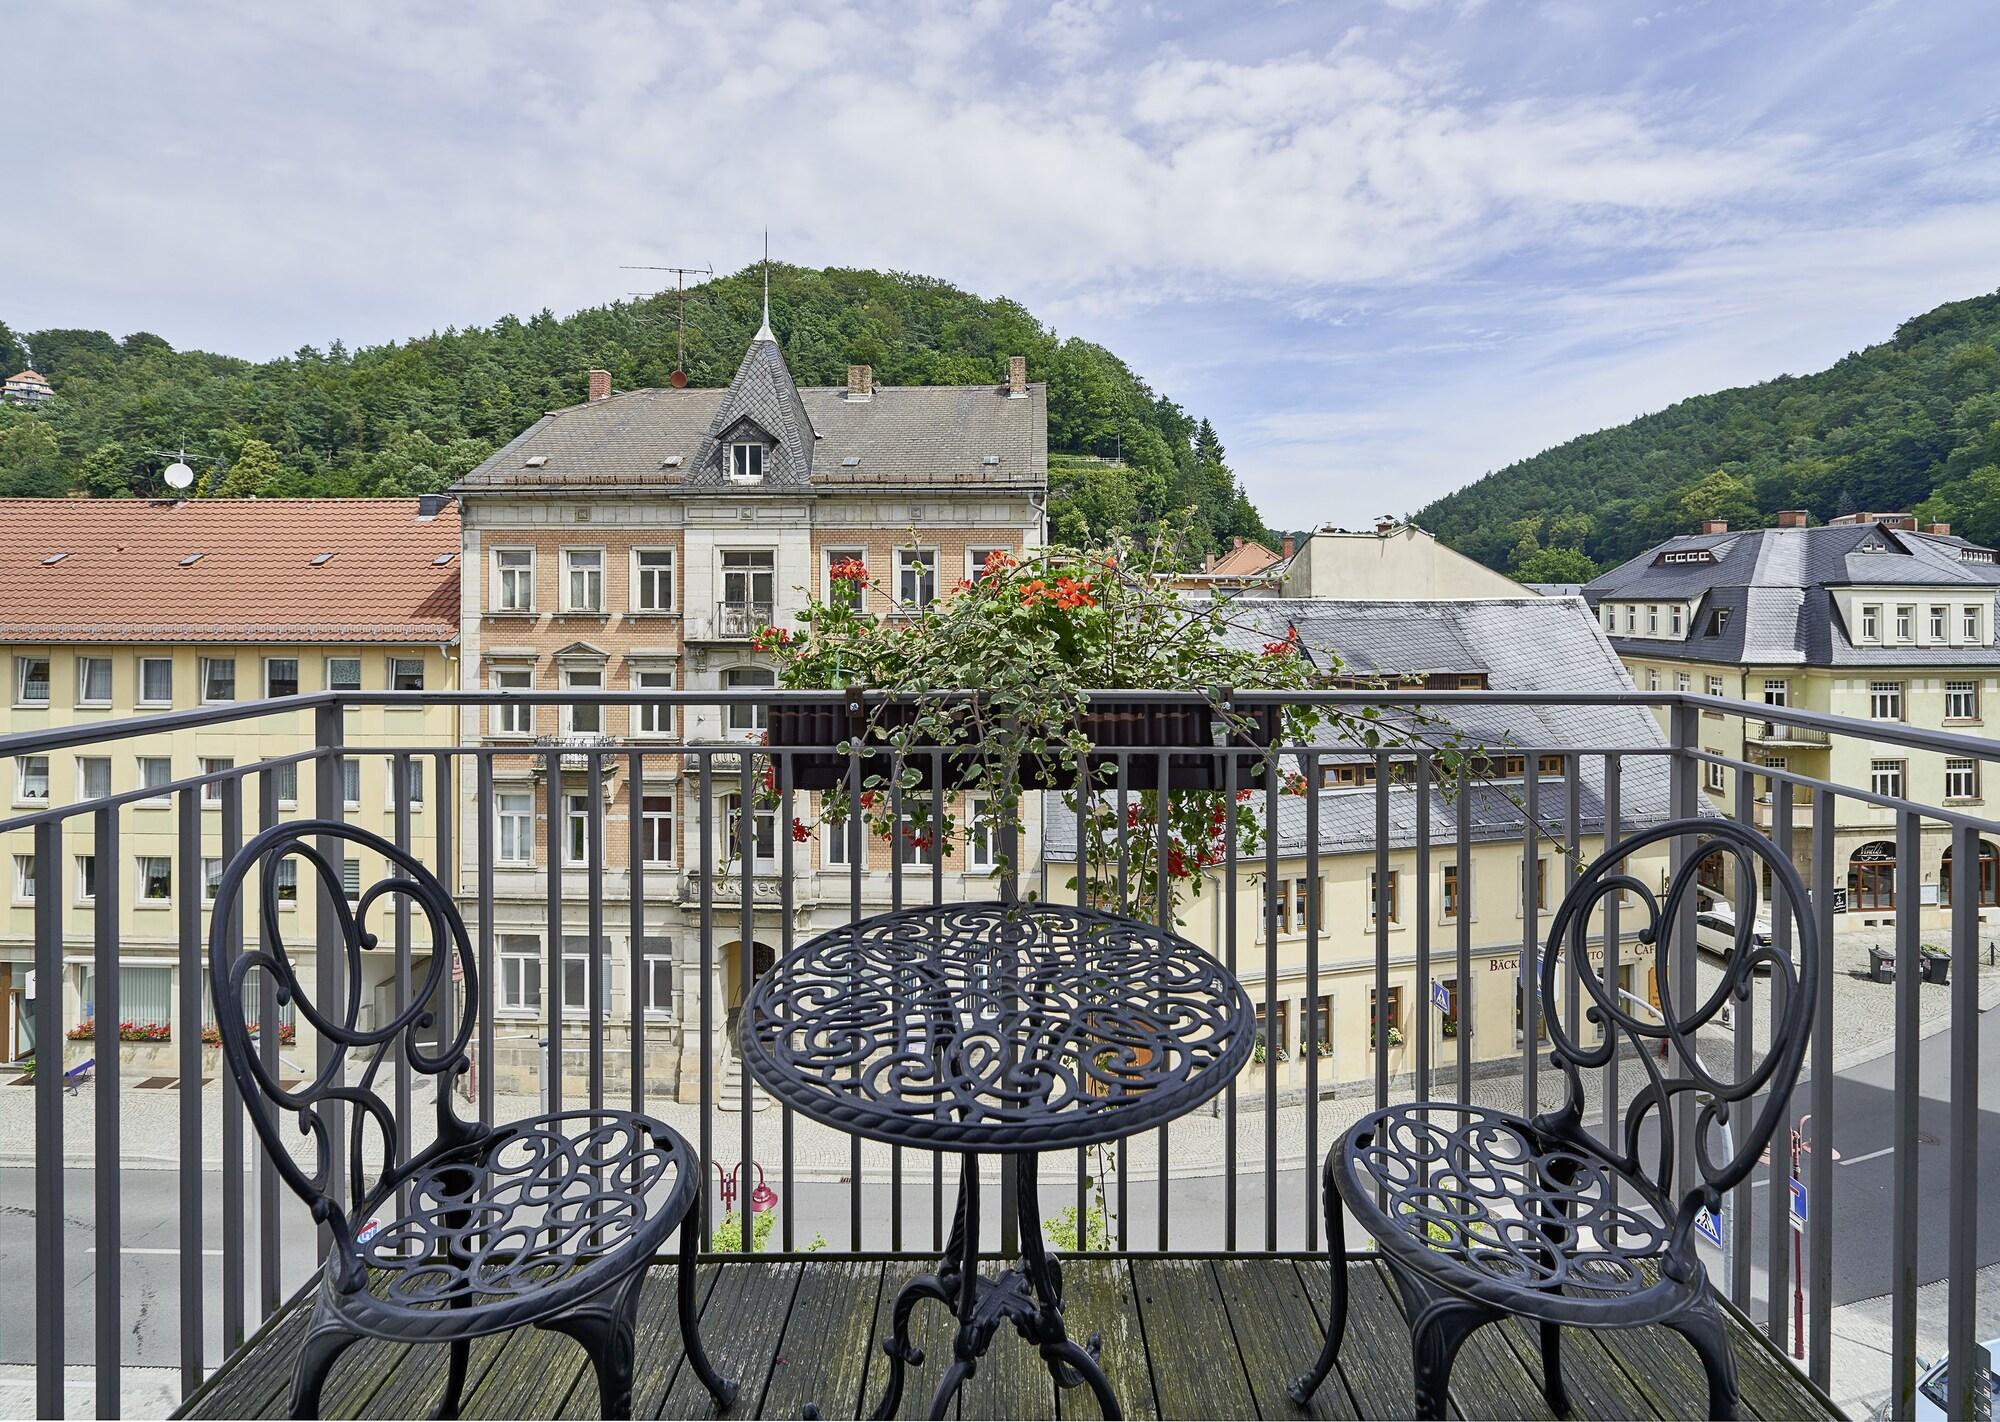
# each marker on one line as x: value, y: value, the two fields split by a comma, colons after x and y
x: 1278, y: 1333
x: 417, y: 1382
x: 823, y: 1357
x: 1489, y: 1379
x: 1012, y: 1381
x: 1098, y: 1298
x: 258, y: 1383
x: 1196, y: 1369
x: 740, y: 1330
x: 1375, y: 1354
x: 533, y: 1374
x: 359, y: 1376
x: 931, y: 1328
x: 1771, y: 1386
x: 1597, y: 1383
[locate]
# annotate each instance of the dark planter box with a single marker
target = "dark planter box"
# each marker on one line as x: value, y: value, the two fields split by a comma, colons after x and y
x: 1937, y: 969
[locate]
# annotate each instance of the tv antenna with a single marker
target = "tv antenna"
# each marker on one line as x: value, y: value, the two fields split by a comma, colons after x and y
x: 679, y: 378
x: 178, y: 475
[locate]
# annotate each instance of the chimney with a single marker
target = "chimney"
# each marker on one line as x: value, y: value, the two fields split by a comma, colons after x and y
x: 1017, y: 377
x: 1792, y: 518
x: 1942, y: 530
x: 600, y: 385
x: 1715, y: 525
x: 1289, y: 547
x: 860, y: 382
x: 1384, y: 524
x: 1207, y: 562
x: 431, y: 505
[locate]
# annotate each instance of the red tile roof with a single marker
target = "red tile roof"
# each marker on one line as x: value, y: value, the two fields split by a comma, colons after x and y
x: 123, y: 577
x: 1245, y: 558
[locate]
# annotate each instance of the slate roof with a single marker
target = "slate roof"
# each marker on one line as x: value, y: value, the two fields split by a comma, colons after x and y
x: 930, y: 435
x: 1775, y: 584
x: 122, y: 578
x: 1522, y: 644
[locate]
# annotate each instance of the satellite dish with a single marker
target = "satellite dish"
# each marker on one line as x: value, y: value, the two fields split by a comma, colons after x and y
x: 179, y: 476
x: 678, y: 379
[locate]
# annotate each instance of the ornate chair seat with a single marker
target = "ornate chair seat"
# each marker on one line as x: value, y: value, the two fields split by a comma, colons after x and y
x: 518, y: 1226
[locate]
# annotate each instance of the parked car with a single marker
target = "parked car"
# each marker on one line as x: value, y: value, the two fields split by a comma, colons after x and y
x: 1933, y: 1388
x: 1715, y: 931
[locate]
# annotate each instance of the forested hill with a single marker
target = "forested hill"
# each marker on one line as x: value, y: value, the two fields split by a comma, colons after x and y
x: 412, y: 416
x: 1911, y: 424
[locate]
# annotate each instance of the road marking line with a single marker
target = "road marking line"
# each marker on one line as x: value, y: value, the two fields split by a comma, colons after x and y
x: 1871, y: 1155
x: 132, y: 1249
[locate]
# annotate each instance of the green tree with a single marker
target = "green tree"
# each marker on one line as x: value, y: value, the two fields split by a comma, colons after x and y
x: 1971, y: 505
x: 254, y: 472
x: 30, y: 461
x: 1555, y: 565
x: 103, y: 473
x: 1718, y: 495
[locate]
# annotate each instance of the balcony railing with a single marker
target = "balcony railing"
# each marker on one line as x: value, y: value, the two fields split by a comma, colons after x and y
x: 739, y: 621
x: 1780, y: 733
x: 1318, y: 929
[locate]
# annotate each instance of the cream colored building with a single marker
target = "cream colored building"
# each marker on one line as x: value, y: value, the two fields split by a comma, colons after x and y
x: 1392, y: 562
x: 111, y: 609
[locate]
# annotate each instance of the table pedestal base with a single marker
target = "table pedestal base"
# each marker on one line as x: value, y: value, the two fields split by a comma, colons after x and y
x: 1029, y: 1296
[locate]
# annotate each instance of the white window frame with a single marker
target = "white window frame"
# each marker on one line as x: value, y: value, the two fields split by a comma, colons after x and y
x: 24, y: 878
x: 649, y: 838
x: 982, y: 834
x: 644, y: 578
x: 516, y: 824
x: 1631, y: 618
x: 1871, y: 622
x: 570, y: 569
x: 143, y: 698
x: 657, y: 955
x: 211, y: 791
x: 1940, y: 623
x: 833, y: 842
x: 1961, y: 778
x: 416, y: 773
x: 511, y: 952
x: 1972, y: 622
x: 1652, y: 678
x: 976, y: 556
x: 21, y: 765
x: 510, y: 582
x: 396, y: 668
x: 334, y: 685
x: 86, y: 879
x: 1683, y: 681
x: 1395, y: 900
x: 1777, y: 692
x: 287, y: 802
x: 350, y: 775
x: 748, y: 718
x: 908, y: 559
x: 576, y: 831
x: 512, y: 720
x: 298, y: 682
x: 1652, y: 619
x: 743, y: 454
x: 726, y: 850
x: 83, y: 790
x: 910, y: 855
x: 141, y: 882
x: 1906, y: 622
x: 652, y: 721
x: 570, y: 672
x: 83, y: 667
x: 830, y: 556
x: 1888, y: 777
x: 208, y: 664
x: 165, y: 797
x: 1886, y: 700
x: 1713, y: 774
x: 578, y: 1005
x: 1965, y: 696
x: 21, y: 665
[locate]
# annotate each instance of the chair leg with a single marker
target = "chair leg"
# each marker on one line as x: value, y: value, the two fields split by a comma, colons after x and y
x: 454, y: 1383
x: 1436, y: 1331
x: 722, y: 1389
x: 605, y: 1326
x: 1552, y: 1377
x: 1703, y: 1327
x: 1304, y: 1386
x: 324, y: 1343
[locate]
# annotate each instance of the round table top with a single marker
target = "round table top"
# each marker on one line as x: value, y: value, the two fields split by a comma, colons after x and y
x: 996, y: 1027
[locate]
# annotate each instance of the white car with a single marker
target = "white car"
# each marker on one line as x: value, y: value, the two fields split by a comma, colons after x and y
x: 1934, y: 1390
x: 1715, y: 931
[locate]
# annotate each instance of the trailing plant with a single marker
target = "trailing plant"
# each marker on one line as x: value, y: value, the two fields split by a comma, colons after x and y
x: 727, y: 1236
x: 1062, y: 1234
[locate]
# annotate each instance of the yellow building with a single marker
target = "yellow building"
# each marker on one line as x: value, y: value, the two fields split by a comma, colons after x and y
x: 111, y: 609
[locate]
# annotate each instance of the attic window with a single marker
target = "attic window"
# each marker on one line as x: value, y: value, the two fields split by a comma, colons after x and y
x: 534, y: 461
x: 746, y: 463
x: 672, y: 461
x: 853, y: 461
x: 1717, y: 621
x: 320, y: 560
x: 1873, y: 548
x: 191, y: 560
x: 441, y: 560
x: 54, y: 558
x: 991, y: 459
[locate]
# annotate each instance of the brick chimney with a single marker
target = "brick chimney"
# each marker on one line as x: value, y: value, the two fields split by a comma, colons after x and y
x: 1942, y: 530
x: 600, y: 385
x: 860, y: 382
x: 1017, y: 377
x: 1289, y: 547
x: 1715, y: 525
x: 1385, y: 524
x: 1792, y: 518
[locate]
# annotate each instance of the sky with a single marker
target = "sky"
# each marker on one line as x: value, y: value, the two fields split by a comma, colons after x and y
x: 1384, y: 245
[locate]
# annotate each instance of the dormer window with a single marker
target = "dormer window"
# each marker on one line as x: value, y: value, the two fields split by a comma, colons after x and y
x: 746, y: 463
x: 1674, y: 619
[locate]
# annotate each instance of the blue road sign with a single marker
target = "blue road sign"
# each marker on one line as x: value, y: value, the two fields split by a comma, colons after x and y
x: 1440, y: 997
x: 1798, y: 1204
x: 1709, y: 1226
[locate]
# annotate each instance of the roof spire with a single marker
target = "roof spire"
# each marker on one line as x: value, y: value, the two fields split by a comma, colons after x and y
x: 764, y: 331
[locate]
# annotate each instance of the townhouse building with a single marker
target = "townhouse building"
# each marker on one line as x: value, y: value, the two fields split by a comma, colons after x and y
x: 640, y: 541
x: 113, y: 608
x: 1870, y: 616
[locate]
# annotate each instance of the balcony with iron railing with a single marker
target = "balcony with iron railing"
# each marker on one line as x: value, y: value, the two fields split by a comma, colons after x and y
x: 163, y: 1246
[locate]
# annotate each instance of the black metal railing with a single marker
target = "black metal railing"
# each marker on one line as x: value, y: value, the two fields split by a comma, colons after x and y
x: 1429, y: 955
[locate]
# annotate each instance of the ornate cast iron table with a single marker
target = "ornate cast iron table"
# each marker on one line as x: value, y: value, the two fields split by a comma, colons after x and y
x: 996, y: 1028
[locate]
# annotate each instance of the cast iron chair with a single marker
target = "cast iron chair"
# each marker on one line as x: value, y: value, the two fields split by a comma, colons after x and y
x: 551, y: 1221
x: 1479, y: 1213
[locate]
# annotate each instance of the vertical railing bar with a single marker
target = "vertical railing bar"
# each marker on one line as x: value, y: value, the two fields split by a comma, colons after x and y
x: 1462, y: 921
x: 552, y: 951
x: 1420, y: 907
x: 329, y: 947
x: 1903, y: 1209
x: 1274, y: 1045
x: 1528, y: 984
x: 233, y: 1231
x: 1819, y: 1223
x: 1123, y: 831
x: 1229, y: 911
x: 1743, y: 1227
x: 444, y: 811
x: 1962, y: 1304
x: 1572, y: 773
x: 635, y: 903
x: 897, y: 841
x: 1379, y: 909
x: 110, y: 1235
x: 50, y: 1316
x: 483, y: 808
x: 1684, y: 798
x: 1310, y: 1038
x: 1085, y: 828
x: 596, y: 988
x: 1163, y: 915
x: 399, y: 799
x: 937, y: 897
x: 787, y: 855
x: 1614, y: 946
x: 1778, y: 1207
x: 707, y: 989
x: 746, y: 972
x: 270, y: 1244
x: 857, y: 849
x: 190, y: 888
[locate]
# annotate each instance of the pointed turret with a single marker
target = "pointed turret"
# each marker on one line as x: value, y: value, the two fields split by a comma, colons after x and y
x: 763, y: 414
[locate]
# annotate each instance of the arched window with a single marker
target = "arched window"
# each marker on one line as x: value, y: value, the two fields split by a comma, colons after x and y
x: 1871, y: 876
x: 1989, y: 875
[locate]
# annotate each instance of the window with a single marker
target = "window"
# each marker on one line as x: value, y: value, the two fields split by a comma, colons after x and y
x: 93, y: 681
x: 1714, y: 685
x: 1718, y: 622
x: 218, y: 678
x: 156, y: 681
x: 413, y: 776
x: 763, y: 831
x: 749, y: 576
x: 1394, y: 1024
x: 514, y: 826
x: 1906, y: 618
x: 653, y: 718
x: 31, y: 681
x: 1885, y: 777
x: 746, y: 463
x: 1683, y: 681
x: 211, y: 879
x: 350, y: 877
x: 1674, y: 616
x: 1940, y: 624
x: 1652, y: 620
x: 834, y: 840
x: 350, y: 784
x: 1885, y: 700
x: 1652, y: 678
x: 915, y: 840
x: 849, y: 593
x: 1610, y: 615
x: 520, y: 972
x: 657, y: 828
x: 1961, y: 778
x: 653, y: 580
x: 513, y: 580
x: 31, y: 781
x: 1777, y: 693
x: 587, y: 720
x: 288, y: 881
x: 343, y: 673
x: 576, y: 960
x: 1270, y: 1046
x: 156, y: 879
x: 748, y: 716
x: 156, y: 770
x: 1541, y: 880
x: 1631, y: 613
x: 916, y: 578
x: 1712, y: 771
x: 982, y: 838
x: 406, y: 673
x: 1448, y: 895
x: 1377, y: 892
x: 1871, y: 624
x: 93, y: 776
x: 86, y: 877
x: 1972, y: 624
x: 583, y: 580
x: 211, y: 791
x: 287, y: 778
x: 281, y: 676
x: 515, y: 718
x: 657, y: 969
x: 576, y: 830
x: 975, y: 559
x: 1961, y: 701
x: 24, y: 877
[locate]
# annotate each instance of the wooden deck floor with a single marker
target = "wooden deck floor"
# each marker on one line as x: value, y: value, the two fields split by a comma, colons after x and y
x: 1183, y: 1338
